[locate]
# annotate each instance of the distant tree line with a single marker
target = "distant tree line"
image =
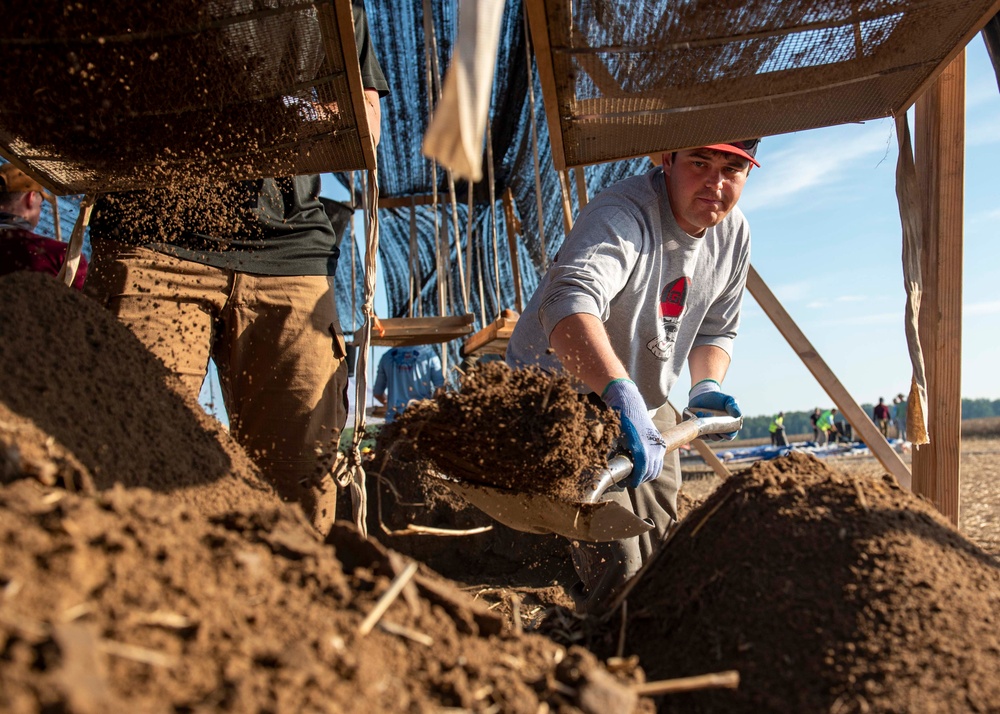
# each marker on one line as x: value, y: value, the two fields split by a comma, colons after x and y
x: 756, y: 427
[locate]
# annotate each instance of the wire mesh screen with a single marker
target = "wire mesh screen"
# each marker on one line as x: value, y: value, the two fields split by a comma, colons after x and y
x: 636, y: 78
x: 122, y: 95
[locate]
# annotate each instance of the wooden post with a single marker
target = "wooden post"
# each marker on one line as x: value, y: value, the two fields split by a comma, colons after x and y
x: 939, y: 157
x: 567, y: 205
x: 855, y: 415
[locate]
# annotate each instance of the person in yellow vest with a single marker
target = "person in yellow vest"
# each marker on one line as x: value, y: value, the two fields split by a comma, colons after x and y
x: 777, y: 429
x: 827, y: 427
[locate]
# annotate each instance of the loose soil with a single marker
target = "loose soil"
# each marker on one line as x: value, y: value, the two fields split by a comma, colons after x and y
x: 826, y: 592
x: 520, y: 429
x: 145, y: 566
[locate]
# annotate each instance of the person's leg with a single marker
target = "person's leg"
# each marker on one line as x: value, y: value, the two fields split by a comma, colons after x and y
x: 283, y: 368
x: 167, y: 302
x: 604, y: 567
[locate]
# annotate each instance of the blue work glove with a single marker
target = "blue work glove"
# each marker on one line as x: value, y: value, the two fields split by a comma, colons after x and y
x: 706, y: 399
x: 642, y: 438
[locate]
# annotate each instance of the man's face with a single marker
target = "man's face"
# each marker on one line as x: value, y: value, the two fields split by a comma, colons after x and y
x: 703, y: 186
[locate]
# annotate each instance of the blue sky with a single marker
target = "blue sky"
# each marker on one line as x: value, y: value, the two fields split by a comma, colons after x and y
x: 827, y: 241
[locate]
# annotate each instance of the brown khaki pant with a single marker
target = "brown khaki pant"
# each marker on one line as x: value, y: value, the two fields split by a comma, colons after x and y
x: 275, y: 340
x: 605, y: 567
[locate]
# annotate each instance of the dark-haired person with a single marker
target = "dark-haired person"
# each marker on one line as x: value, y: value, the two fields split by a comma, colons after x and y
x: 20, y: 247
x: 650, y: 278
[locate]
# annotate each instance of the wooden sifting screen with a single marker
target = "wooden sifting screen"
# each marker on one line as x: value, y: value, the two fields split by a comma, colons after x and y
x: 622, y: 78
x: 121, y: 95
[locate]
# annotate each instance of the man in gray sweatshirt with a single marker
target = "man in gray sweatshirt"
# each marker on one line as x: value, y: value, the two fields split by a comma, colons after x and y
x: 650, y: 277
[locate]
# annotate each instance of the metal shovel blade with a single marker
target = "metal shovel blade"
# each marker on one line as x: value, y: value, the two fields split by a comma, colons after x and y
x: 532, y: 513
x: 585, y: 517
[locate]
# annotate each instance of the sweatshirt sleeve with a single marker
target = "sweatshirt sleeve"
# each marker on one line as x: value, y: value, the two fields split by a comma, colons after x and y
x: 592, y: 266
x: 722, y: 321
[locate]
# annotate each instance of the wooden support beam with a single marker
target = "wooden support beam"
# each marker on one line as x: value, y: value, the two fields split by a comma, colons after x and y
x: 939, y: 158
x: 581, y: 187
x: 863, y: 426
x: 352, y: 71
x: 493, y: 338
x: 539, y: 24
x: 408, y: 331
x: 407, y: 201
x: 567, y: 202
x: 705, y: 451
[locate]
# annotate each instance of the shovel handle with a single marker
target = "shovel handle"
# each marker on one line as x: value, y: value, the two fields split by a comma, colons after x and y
x: 620, y: 466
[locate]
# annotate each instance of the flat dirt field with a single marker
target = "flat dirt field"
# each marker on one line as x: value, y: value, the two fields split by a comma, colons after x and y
x: 979, y: 507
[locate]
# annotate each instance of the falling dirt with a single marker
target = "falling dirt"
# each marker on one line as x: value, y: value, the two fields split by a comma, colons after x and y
x: 522, y: 430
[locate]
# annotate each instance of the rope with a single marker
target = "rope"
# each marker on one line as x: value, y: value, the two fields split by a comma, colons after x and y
x: 354, y: 263
x: 349, y: 472
x: 471, y: 244
x: 415, y: 281
x: 433, y: 93
x: 493, y: 215
x: 463, y: 291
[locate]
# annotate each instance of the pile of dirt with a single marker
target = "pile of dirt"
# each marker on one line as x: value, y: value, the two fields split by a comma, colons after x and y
x: 519, y: 429
x: 145, y: 567
x: 132, y: 601
x: 84, y: 404
x: 826, y: 593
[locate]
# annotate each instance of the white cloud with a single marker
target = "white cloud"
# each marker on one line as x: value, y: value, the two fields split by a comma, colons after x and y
x: 884, y: 318
x: 825, y: 304
x: 982, y: 308
x: 813, y: 161
x: 791, y: 292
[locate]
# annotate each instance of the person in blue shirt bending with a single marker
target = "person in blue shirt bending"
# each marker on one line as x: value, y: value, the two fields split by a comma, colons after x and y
x: 406, y: 374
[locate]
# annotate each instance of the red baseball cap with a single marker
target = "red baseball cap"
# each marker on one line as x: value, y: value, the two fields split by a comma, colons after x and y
x: 746, y: 148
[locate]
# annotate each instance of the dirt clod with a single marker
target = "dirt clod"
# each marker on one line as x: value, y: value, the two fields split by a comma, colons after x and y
x: 518, y: 429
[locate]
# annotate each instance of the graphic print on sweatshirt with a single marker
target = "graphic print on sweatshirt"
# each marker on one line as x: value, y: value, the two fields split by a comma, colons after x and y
x: 673, y: 297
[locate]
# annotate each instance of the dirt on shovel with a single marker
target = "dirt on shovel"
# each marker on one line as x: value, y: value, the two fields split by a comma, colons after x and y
x: 522, y: 430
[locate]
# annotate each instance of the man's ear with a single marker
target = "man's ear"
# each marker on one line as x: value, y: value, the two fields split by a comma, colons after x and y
x: 33, y: 200
x: 666, y: 161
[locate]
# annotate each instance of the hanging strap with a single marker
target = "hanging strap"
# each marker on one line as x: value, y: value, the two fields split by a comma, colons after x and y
x: 910, y: 214
x: 493, y: 217
x: 354, y: 263
x: 415, y: 281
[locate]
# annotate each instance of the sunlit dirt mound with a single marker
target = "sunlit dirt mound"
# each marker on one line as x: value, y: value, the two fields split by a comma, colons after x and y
x: 519, y: 429
x: 83, y: 403
x: 827, y: 593
x: 132, y: 601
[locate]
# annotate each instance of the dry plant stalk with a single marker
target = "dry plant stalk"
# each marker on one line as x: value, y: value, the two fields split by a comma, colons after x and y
x: 388, y: 598
x: 729, y: 679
